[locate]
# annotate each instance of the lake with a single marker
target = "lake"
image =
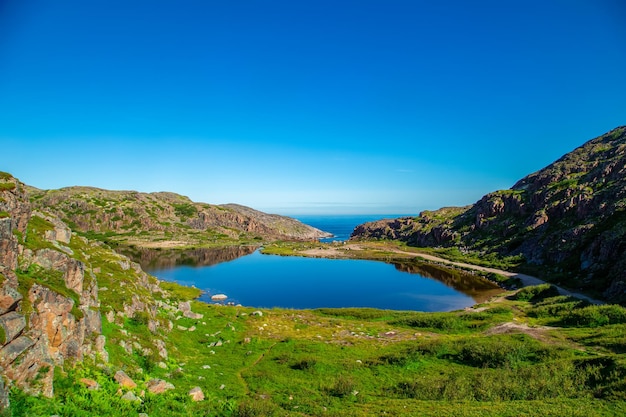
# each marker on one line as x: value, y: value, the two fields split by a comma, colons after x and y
x: 250, y: 278
x: 259, y: 280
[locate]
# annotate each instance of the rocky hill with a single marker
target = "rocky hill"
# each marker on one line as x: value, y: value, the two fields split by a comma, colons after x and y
x: 55, y: 287
x: 165, y: 219
x: 566, y: 222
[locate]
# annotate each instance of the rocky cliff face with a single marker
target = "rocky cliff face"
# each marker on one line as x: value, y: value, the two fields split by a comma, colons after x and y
x: 50, y: 303
x: 568, y: 218
x: 40, y: 327
x: 143, y: 219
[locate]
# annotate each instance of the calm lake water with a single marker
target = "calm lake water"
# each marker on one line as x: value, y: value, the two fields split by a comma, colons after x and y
x: 249, y: 278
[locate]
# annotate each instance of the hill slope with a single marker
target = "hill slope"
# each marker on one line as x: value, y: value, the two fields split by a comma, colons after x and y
x: 566, y: 221
x: 165, y: 219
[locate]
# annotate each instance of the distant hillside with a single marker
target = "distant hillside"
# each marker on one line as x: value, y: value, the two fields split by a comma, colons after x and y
x: 165, y: 219
x: 567, y: 221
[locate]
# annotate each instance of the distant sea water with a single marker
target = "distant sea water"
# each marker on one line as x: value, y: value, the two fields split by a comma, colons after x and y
x: 341, y: 225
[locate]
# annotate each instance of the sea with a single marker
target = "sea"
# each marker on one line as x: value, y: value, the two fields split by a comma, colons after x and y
x: 341, y: 225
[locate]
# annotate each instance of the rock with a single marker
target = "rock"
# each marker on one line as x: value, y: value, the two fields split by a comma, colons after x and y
x: 162, y: 365
x: 9, y: 298
x: 60, y: 233
x: 130, y: 396
x: 153, y: 326
x: 184, y: 306
x: 158, y: 386
x: 124, y: 380
x: 12, y: 323
x: 222, y: 386
x: 110, y: 315
x: 196, y: 394
x: 100, y: 343
x: 90, y: 383
x: 14, y: 349
x: 4, y: 396
x: 160, y: 345
x: 219, y: 297
x: 257, y: 313
x: 192, y: 315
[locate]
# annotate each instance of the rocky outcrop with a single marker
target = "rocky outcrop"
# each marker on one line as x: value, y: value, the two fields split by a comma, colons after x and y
x: 567, y: 221
x: 50, y: 318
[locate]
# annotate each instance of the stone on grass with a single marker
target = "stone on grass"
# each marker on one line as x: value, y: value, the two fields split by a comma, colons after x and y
x: 196, y: 394
x: 158, y: 386
x: 129, y: 396
x: 124, y: 380
x: 90, y: 383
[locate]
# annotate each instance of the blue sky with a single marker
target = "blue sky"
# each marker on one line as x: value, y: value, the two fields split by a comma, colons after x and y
x: 305, y: 106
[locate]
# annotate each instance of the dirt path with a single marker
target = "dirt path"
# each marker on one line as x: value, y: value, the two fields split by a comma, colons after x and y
x: 241, y: 371
x: 527, y: 280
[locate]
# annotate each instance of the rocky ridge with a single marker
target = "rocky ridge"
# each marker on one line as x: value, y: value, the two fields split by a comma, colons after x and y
x: 567, y: 220
x: 165, y: 219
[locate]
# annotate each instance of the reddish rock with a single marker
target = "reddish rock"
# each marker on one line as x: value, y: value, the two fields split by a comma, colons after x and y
x: 124, y: 380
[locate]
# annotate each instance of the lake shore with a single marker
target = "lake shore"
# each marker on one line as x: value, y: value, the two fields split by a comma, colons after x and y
x: 384, y: 251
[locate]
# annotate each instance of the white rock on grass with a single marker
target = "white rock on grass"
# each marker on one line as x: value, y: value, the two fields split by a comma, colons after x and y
x: 196, y: 394
x: 218, y: 297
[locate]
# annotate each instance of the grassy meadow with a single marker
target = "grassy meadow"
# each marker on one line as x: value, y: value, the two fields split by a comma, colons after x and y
x: 526, y: 354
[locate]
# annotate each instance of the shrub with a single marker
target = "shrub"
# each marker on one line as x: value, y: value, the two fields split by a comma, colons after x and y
x: 304, y: 364
x: 254, y: 409
x: 438, y: 321
x: 343, y: 386
x: 185, y: 210
x: 536, y: 293
x: 496, y: 352
x: 595, y: 316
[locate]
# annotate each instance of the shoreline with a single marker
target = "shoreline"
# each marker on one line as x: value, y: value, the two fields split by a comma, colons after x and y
x: 348, y: 250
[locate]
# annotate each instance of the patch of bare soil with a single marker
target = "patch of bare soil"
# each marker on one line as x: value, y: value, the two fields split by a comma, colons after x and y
x: 324, y: 253
x: 164, y: 244
x: 538, y: 332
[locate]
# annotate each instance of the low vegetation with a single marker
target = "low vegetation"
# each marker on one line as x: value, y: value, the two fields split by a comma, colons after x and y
x: 529, y: 353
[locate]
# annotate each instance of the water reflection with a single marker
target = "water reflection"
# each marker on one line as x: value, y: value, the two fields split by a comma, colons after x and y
x: 160, y: 259
x: 480, y: 289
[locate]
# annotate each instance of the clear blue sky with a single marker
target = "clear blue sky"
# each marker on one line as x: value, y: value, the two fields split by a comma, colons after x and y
x: 304, y: 106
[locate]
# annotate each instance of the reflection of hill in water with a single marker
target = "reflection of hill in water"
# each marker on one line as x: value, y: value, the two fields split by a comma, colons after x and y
x: 480, y: 289
x: 155, y: 259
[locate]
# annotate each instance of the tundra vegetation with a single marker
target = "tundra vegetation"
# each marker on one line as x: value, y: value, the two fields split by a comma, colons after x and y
x: 527, y: 352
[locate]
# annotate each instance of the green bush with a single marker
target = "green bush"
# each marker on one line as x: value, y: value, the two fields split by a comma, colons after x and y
x: 437, y: 321
x: 497, y: 352
x: 536, y: 293
x: 185, y: 210
x: 342, y: 387
x: 595, y: 316
x: 254, y: 409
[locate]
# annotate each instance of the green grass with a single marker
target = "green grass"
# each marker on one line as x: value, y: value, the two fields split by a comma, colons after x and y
x: 337, y: 362
x: 352, y: 362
